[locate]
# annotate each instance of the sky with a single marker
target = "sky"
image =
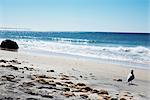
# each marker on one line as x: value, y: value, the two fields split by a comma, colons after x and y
x: 76, y: 15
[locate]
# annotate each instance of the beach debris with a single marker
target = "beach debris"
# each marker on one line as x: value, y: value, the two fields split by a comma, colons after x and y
x: 10, y: 78
x: 80, y: 84
x: 50, y: 71
x: 118, y: 80
x: 30, y: 69
x: 122, y: 98
x: 68, y: 94
x: 9, y: 44
x: 103, y: 92
x: 28, y: 84
x: 64, y: 77
x: 14, y: 61
x: 58, y: 83
x: 106, y: 97
x: 69, y: 82
x: 81, y: 76
x: 10, y: 66
x: 65, y: 89
x: 83, y: 96
x: 6, y: 98
x: 95, y: 91
x: 3, y: 61
x: 85, y: 89
x: 47, y: 96
x: 31, y: 99
x: 114, y: 98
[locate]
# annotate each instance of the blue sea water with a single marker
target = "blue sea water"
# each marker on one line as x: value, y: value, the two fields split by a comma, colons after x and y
x: 120, y: 47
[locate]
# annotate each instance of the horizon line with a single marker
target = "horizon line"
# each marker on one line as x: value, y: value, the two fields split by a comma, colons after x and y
x: 33, y: 30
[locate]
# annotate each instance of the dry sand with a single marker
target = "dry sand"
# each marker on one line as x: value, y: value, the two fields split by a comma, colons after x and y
x: 98, y: 77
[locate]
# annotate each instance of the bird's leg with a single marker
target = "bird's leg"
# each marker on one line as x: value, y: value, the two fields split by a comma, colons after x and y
x: 131, y: 83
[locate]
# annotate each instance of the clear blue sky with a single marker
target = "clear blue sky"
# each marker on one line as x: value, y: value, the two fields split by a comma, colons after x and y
x: 76, y: 15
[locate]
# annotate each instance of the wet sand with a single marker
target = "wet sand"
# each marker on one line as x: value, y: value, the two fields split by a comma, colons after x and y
x: 28, y: 77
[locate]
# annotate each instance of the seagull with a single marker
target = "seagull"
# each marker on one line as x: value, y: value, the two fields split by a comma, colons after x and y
x: 130, y: 77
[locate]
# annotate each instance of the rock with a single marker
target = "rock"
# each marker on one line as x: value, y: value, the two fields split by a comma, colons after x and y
x: 103, y: 92
x: 84, y: 96
x: 9, y: 44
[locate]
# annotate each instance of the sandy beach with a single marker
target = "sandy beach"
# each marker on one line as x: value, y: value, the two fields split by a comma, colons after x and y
x: 25, y: 76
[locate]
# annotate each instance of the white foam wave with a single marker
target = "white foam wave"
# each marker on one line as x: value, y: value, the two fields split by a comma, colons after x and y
x: 137, y: 54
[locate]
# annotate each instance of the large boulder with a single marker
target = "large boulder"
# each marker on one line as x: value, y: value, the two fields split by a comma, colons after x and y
x: 9, y: 44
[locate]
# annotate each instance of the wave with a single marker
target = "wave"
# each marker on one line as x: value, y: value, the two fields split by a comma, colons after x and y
x: 138, y: 54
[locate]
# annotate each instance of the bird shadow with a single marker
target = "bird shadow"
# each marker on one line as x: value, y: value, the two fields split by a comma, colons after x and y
x: 133, y: 84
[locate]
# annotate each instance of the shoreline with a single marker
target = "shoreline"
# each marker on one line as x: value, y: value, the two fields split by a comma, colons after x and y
x: 128, y: 64
x: 95, y: 74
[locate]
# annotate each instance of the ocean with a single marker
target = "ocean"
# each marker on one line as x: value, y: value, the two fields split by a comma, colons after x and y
x: 131, y: 49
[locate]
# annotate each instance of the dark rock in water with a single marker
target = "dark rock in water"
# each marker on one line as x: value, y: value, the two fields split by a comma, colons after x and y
x: 9, y: 44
